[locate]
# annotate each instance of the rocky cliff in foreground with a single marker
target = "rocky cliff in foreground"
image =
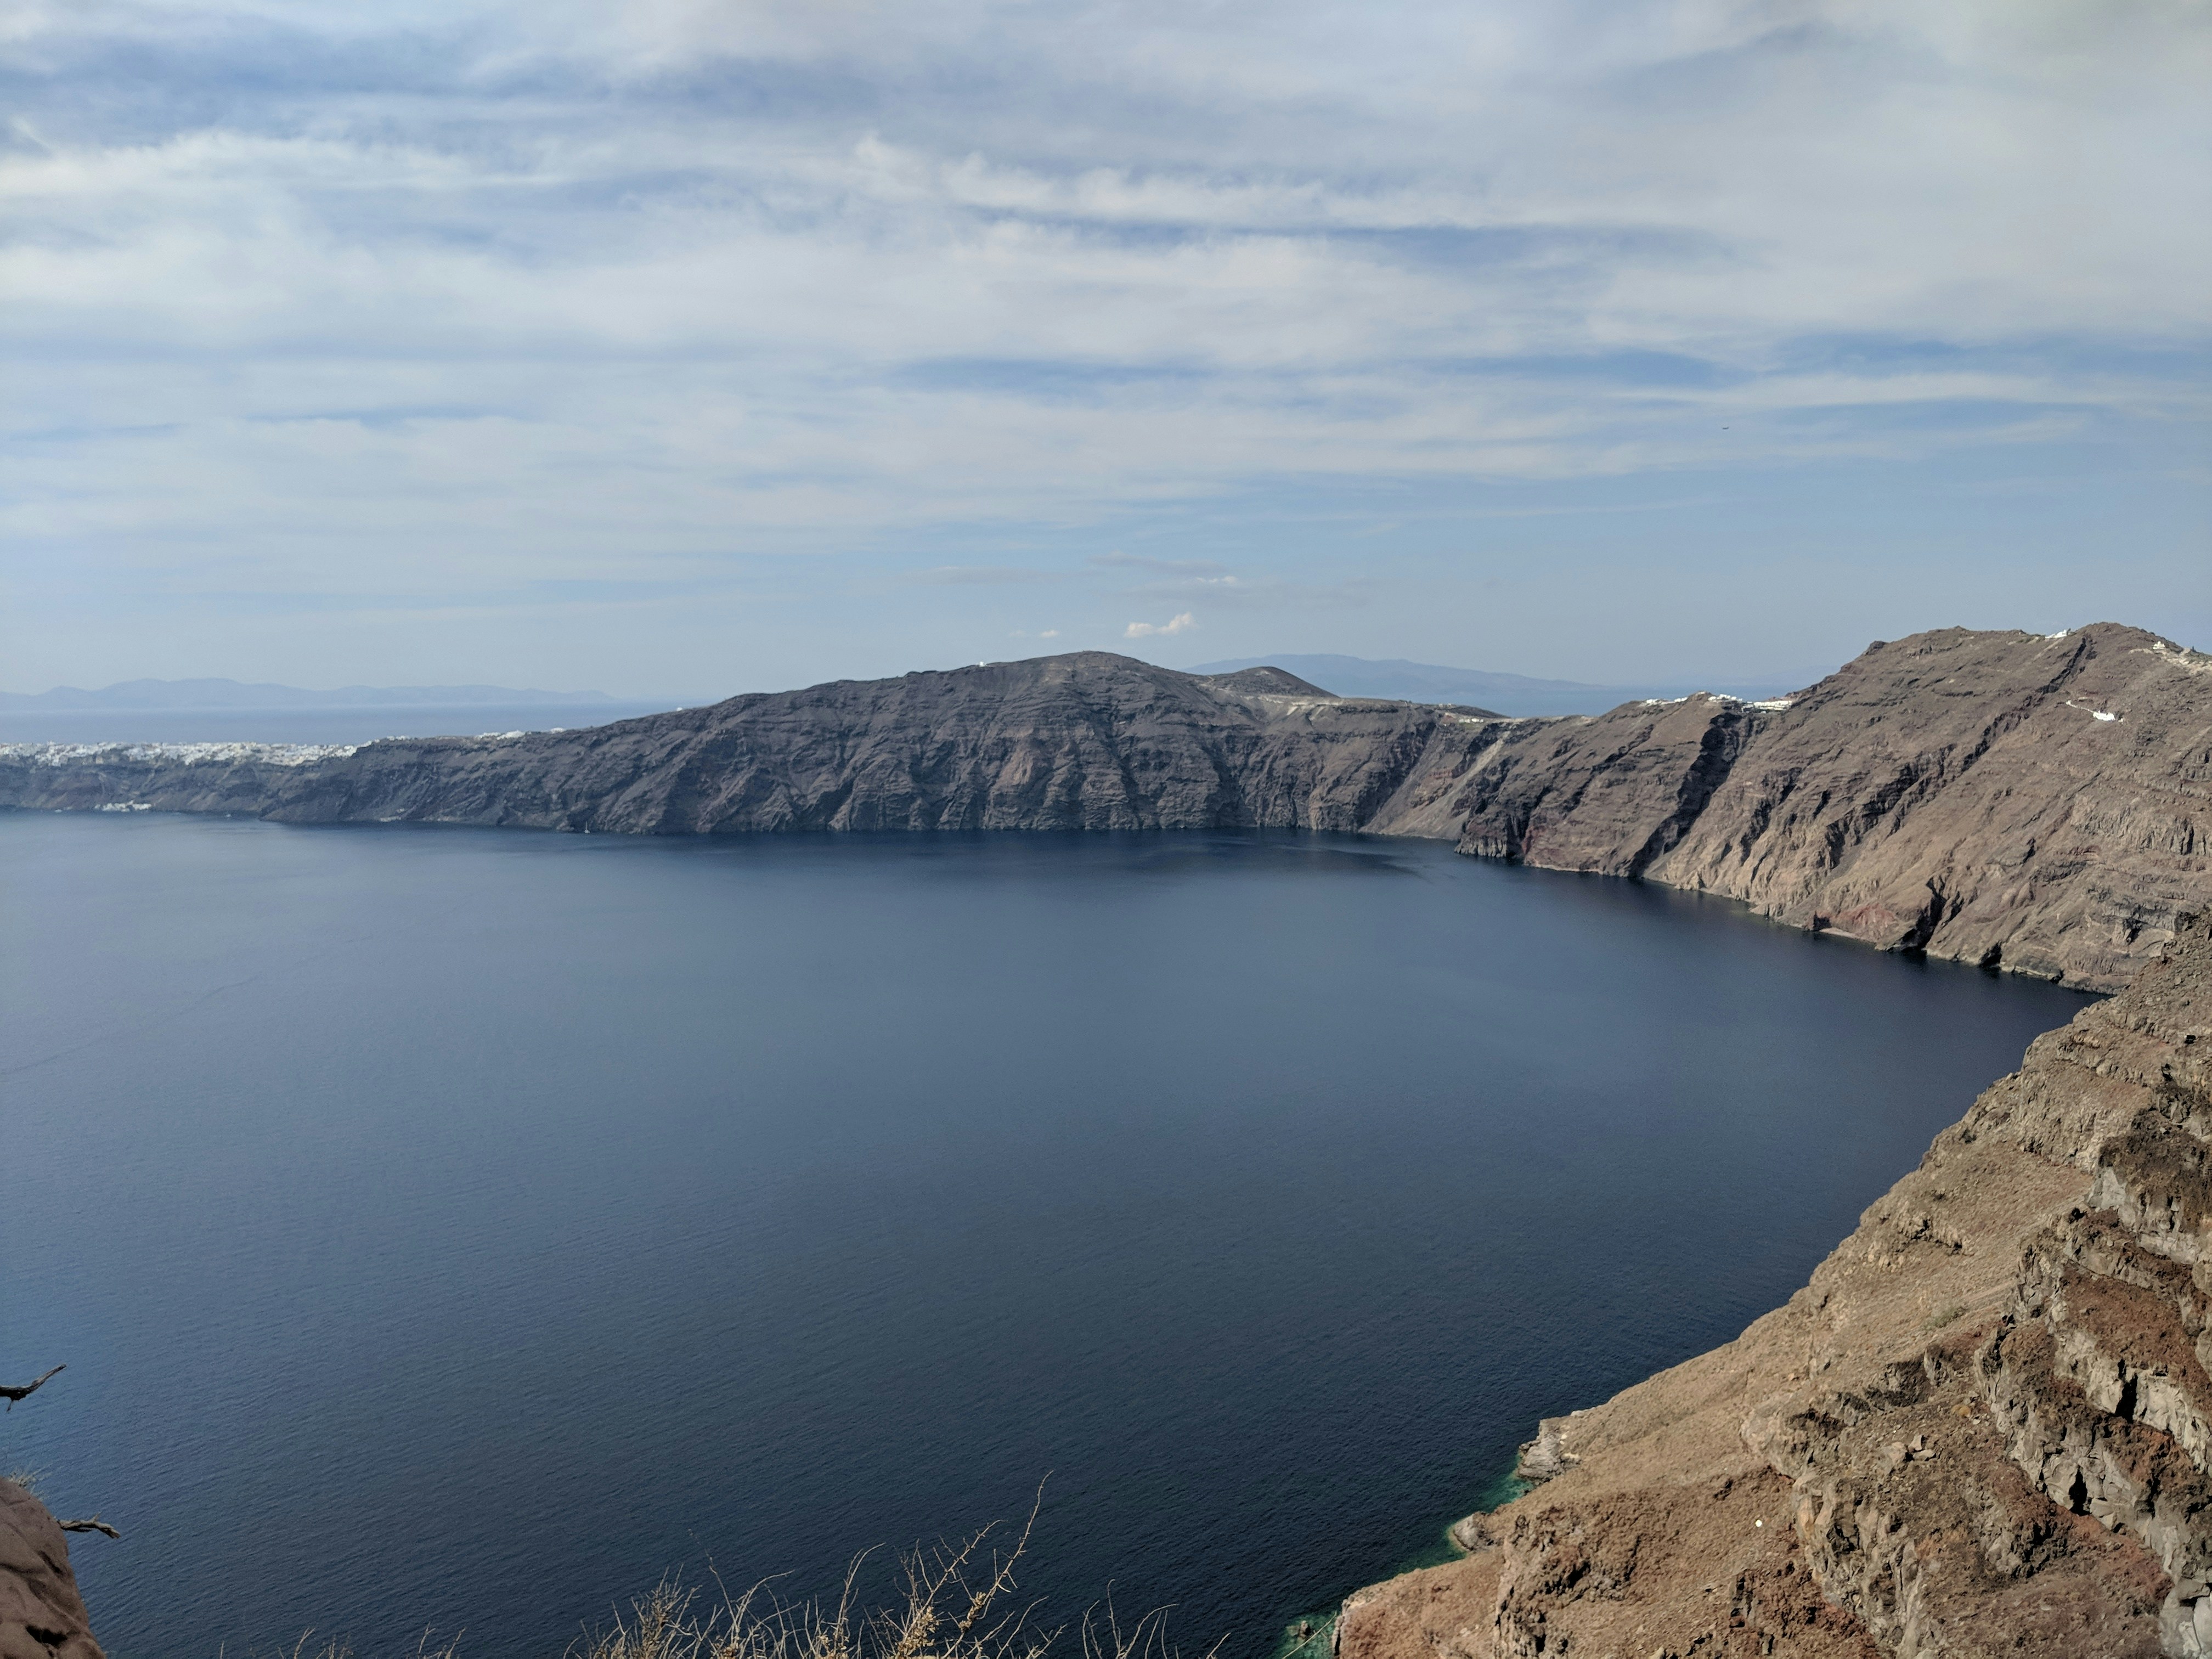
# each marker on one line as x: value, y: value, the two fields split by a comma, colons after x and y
x: 1984, y: 1427
x: 2036, y: 804
x: 41, y: 1615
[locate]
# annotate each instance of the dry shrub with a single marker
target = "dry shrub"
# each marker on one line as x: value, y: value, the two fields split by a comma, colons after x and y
x: 954, y: 1606
x: 955, y: 1603
x: 341, y: 1649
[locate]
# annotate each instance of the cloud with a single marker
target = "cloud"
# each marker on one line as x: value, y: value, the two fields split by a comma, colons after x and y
x: 982, y: 575
x: 311, y: 300
x: 1195, y: 567
x: 1180, y: 623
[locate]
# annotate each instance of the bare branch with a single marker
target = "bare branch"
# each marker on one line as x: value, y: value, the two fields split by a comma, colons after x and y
x: 93, y: 1525
x: 1002, y: 1578
x: 11, y: 1395
x: 956, y: 1605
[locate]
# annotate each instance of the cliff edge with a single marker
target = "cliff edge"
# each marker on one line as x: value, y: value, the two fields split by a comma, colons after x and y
x: 1983, y: 1427
x: 2040, y: 804
x: 41, y: 1615
x: 1084, y: 741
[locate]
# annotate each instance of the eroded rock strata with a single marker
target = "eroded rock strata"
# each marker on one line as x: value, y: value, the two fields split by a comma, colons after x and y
x: 1983, y: 1427
x: 2036, y: 804
x: 2045, y: 805
x: 1085, y: 741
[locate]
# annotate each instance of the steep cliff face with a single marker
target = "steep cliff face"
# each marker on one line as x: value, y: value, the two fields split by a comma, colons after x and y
x: 1087, y: 741
x: 41, y: 1616
x: 1609, y: 796
x: 2043, y: 803
x: 2040, y: 805
x: 1984, y: 1427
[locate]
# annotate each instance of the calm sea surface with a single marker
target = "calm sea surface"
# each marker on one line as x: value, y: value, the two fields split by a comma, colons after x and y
x: 461, y: 1229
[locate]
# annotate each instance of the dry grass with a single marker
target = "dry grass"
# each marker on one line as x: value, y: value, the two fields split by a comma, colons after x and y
x: 344, y: 1649
x: 1946, y: 1314
x: 955, y: 1603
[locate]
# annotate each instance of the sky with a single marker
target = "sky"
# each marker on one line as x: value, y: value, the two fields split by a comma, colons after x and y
x: 686, y: 347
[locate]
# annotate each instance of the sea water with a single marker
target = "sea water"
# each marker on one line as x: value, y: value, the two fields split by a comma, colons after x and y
x: 459, y: 1230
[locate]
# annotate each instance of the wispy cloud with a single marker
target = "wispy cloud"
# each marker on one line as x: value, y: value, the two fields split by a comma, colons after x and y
x: 1200, y: 568
x: 1180, y: 623
x: 983, y: 575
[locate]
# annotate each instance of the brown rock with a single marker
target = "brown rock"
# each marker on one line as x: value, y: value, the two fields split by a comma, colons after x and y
x: 1085, y: 741
x: 1958, y: 793
x: 41, y: 1615
x: 1608, y: 796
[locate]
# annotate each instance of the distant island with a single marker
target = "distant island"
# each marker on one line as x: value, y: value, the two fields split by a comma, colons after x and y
x: 199, y: 695
x: 1507, y: 694
x: 2024, y: 801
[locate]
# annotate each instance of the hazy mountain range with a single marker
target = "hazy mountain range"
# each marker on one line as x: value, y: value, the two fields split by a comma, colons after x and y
x: 1507, y: 694
x: 1346, y: 676
x: 232, y: 694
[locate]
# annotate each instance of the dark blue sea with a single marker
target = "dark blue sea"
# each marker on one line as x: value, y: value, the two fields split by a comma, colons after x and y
x: 459, y: 1230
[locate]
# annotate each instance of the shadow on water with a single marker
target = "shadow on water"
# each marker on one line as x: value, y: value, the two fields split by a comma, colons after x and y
x: 462, y: 1228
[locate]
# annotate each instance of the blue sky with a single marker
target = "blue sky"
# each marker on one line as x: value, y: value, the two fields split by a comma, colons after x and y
x: 678, y: 347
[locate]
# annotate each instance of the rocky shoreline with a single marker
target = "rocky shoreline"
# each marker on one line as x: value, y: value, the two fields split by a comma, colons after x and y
x: 1984, y: 1426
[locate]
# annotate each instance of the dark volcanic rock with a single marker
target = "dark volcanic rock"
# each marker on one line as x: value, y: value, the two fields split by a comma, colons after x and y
x: 41, y: 1616
x: 2036, y: 804
x: 2040, y: 805
x: 1609, y: 795
x: 2045, y: 804
x: 1087, y: 741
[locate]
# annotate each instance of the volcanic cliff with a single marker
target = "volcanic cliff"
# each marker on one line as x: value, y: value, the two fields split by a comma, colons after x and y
x: 1984, y: 1427
x: 2029, y: 802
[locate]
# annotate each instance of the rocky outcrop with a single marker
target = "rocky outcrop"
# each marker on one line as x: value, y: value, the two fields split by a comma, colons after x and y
x: 2040, y: 804
x: 41, y: 1615
x: 2035, y: 804
x: 1983, y: 1427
